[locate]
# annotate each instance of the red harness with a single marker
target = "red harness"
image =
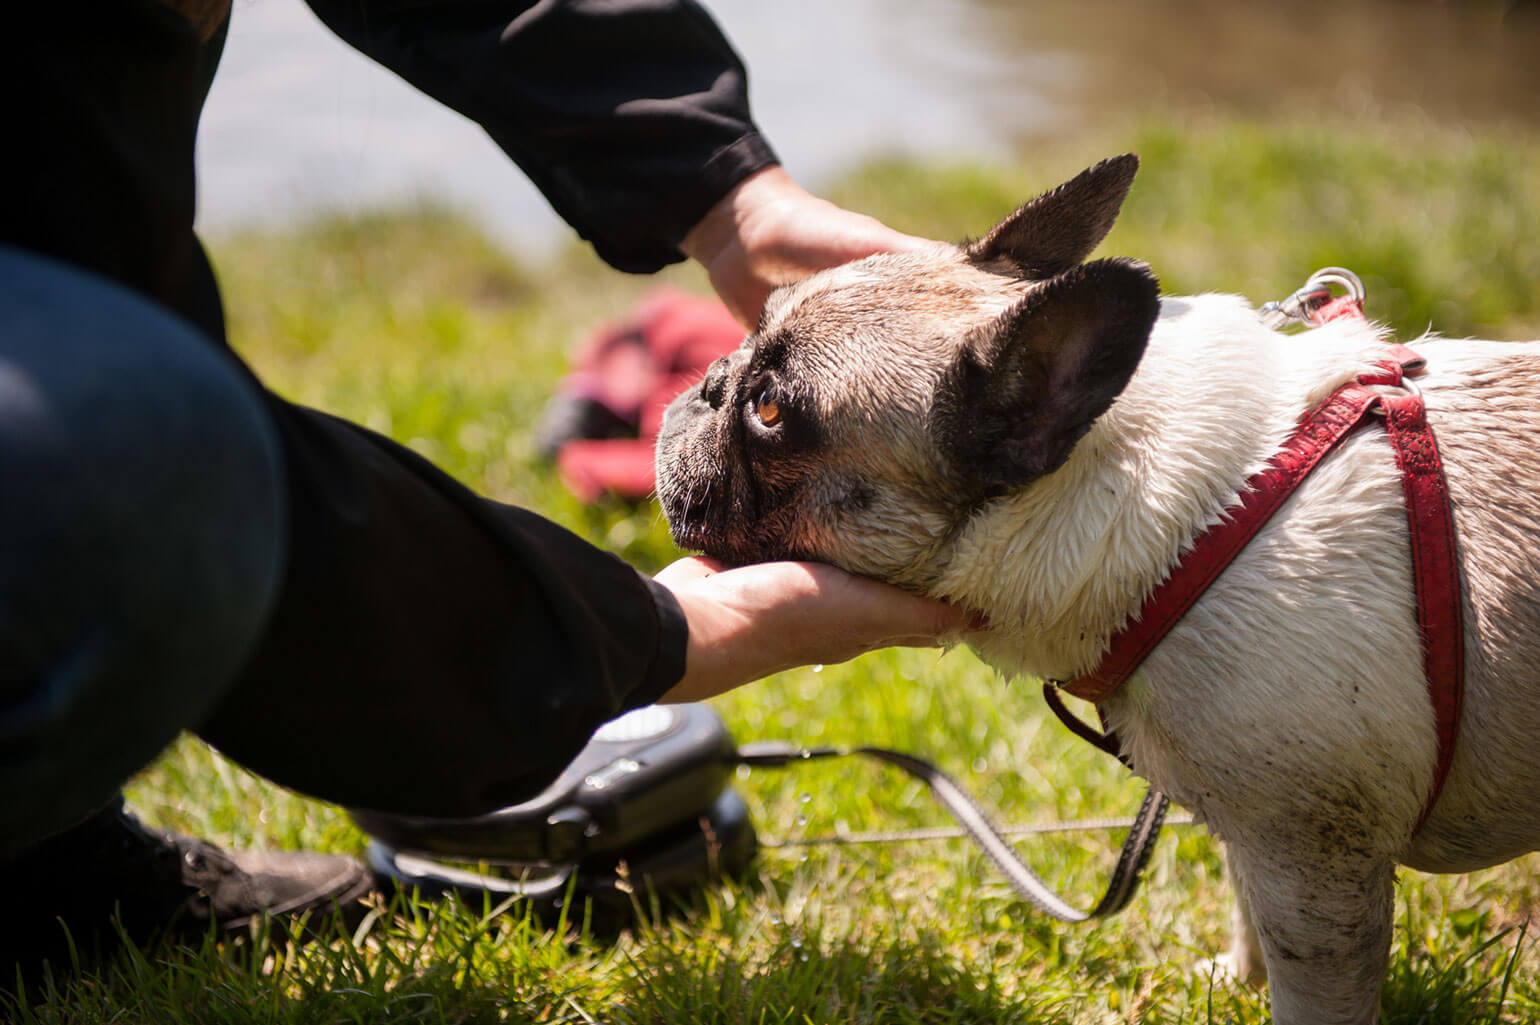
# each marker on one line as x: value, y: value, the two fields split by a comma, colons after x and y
x: 1434, y: 568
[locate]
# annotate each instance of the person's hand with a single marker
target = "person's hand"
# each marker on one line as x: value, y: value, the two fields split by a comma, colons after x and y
x: 769, y: 231
x: 749, y: 622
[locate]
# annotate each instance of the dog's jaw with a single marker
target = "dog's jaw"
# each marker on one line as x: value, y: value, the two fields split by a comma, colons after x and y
x: 696, y: 485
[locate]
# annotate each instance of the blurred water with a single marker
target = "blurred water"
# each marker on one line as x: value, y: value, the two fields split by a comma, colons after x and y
x: 297, y: 121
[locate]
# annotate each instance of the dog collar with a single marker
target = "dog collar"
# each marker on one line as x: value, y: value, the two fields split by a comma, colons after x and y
x: 1434, y: 567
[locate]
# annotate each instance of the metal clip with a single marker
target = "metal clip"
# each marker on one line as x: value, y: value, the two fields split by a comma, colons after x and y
x: 1301, y: 307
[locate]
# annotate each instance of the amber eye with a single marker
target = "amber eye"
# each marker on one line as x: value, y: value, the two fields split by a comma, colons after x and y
x: 767, y: 409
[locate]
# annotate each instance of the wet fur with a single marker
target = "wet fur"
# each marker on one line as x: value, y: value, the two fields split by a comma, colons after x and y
x: 1288, y: 708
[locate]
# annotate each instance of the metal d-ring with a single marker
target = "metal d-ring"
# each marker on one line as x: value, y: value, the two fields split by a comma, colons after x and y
x: 1339, y: 276
x: 1316, y: 292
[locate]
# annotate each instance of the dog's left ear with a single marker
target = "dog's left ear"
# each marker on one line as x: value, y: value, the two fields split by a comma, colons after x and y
x: 1027, y: 386
x: 1060, y: 228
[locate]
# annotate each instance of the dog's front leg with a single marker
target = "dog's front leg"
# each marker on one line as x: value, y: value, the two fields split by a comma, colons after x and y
x: 1323, y: 920
x: 1243, y: 961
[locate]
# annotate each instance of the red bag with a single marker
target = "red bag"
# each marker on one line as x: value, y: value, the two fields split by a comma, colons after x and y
x: 603, y: 423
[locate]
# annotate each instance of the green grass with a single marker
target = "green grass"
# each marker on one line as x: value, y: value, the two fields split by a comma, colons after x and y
x: 409, y: 321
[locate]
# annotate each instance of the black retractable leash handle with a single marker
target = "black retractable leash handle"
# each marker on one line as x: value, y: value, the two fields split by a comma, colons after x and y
x: 646, y: 803
x: 1125, y: 875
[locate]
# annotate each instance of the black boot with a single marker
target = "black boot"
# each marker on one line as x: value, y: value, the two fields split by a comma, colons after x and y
x: 156, y: 883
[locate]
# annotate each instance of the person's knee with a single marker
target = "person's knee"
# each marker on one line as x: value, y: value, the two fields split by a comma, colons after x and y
x: 143, y: 531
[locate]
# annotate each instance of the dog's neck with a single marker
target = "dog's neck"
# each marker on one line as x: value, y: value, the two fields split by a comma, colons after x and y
x: 1060, y: 565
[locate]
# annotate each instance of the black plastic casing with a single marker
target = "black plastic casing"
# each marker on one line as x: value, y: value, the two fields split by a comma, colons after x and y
x: 652, y: 770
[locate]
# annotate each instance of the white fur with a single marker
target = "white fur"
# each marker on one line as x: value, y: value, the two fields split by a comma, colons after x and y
x: 1288, y: 708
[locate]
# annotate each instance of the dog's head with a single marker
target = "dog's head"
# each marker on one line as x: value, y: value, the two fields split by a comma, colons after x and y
x: 881, y: 403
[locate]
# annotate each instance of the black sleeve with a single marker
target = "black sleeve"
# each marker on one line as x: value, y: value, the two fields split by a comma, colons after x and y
x: 434, y: 652
x: 631, y: 116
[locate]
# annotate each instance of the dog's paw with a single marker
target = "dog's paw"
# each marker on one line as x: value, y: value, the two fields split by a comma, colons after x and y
x: 1238, y: 965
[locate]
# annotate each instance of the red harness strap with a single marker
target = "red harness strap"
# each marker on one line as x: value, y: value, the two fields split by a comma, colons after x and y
x: 1434, y: 567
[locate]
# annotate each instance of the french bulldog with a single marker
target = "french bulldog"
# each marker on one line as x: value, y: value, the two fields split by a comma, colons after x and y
x: 1007, y: 426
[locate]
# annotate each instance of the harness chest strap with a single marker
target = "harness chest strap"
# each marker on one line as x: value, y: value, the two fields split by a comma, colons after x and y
x: 1434, y: 566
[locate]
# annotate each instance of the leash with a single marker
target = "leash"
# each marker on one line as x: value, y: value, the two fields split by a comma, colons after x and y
x: 646, y: 799
x: 845, y: 838
x: 1144, y: 828
x: 1426, y: 495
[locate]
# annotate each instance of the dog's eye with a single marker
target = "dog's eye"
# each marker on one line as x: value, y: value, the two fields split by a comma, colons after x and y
x: 767, y: 409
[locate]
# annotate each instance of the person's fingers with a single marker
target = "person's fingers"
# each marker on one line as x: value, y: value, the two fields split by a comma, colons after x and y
x: 687, y: 569
x: 881, y: 615
x: 788, y: 241
x: 769, y: 231
x: 823, y: 609
x: 748, y: 622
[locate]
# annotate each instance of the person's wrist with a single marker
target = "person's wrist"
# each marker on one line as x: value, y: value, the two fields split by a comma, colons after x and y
x: 723, y: 225
x: 705, y: 675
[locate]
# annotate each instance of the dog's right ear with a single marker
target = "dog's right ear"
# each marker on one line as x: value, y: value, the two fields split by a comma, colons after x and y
x: 1060, y: 228
x: 1026, y: 387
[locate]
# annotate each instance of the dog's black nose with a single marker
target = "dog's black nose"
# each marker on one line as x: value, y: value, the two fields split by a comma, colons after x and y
x: 715, y: 385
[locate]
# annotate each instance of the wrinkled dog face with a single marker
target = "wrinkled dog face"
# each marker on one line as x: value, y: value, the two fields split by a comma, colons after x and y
x: 814, y: 439
x: 880, y: 403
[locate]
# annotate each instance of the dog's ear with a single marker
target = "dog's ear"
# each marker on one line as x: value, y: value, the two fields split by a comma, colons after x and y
x: 1058, y: 230
x: 1027, y: 386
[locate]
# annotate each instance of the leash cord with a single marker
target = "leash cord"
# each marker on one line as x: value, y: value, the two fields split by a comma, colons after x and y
x: 1144, y: 828
x: 923, y: 833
